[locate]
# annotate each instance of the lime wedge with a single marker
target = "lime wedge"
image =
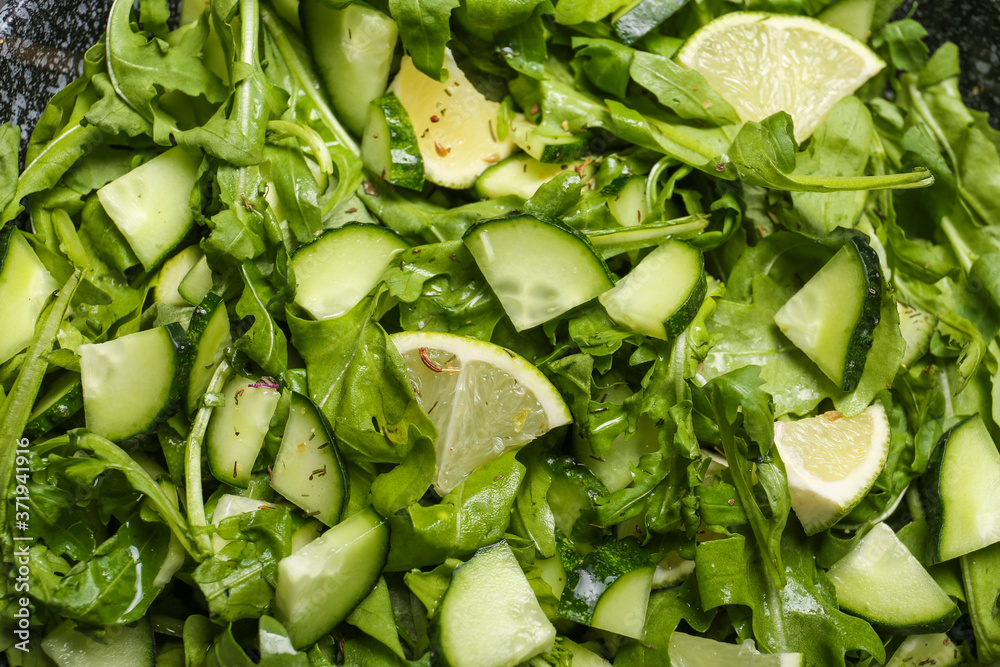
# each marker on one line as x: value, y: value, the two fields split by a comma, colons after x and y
x: 456, y: 126
x: 832, y: 461
x: 764, y: 63
x: 483, y: 399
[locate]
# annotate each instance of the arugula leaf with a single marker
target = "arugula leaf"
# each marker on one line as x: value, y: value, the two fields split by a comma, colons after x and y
x: 666, y: 610
x: 444, y: 290
x: 374, y: 617
x: 264, y: 342
x: 839, y: 147
x: 140, y: 68
x: 472, y: 515
x: 238, y: 581
x: 764, y: 154
x: 358, y: 380
x: 425, y: 30
x: 685, y: 92
x: 801, y: 616
x: 115, y: 586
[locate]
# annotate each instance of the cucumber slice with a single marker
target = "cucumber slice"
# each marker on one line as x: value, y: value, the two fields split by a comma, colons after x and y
x: 209, y: 333
x: 961, y: 492
x: 353, y: 48
x: 537, y: 269
x: 693, y: 651
x: 489, y: 616
x: 662, y: 293
x: 881, y: 581
x: 151, y: 205
x: 548, y: 145
x: 172, y: 274
x: 832, y: 318
x: 609, y: 589
x: 63, y: 399
x: 197, y: 283
x: 642, y: 16
x: 334, y: 272
x: 236, y: 430
x: 25, y: 287
x: 981, y: 588
x: 522, y: 175
x: 629, y: 206
x: 121, y: 645
x: 389, y: 145
x: 131, y: 383
x: 320, y: 584
x: 308, y: 469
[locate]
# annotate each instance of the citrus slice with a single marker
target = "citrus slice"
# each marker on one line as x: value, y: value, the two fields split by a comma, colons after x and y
x: 832, y: 461
x: 456, y: 126
x: 764, y: 63
x: 483, y: 399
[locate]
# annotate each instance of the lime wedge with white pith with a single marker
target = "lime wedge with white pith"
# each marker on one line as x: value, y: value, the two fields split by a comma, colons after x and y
x: 832, y: 461
x: 483, y: 399
x: 456, y: 126
x: 765, y: 63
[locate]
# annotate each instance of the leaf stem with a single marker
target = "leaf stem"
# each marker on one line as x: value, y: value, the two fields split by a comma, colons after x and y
x: 737, y: 463
x: 194, y: 494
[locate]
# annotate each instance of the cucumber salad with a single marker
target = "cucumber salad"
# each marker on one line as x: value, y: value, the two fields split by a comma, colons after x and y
x: 492, y: 333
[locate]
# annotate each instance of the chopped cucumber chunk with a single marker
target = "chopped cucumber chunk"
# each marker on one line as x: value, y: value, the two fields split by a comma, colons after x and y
x: 151, y: 205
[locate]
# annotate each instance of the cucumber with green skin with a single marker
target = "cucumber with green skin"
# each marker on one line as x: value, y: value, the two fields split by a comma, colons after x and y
x: 522, y: 175
x: 882, y: 582
x: 389, y: 145
x: 236, y: 430
x: 337, y: 269
x: 489, y: 616
x: 555, y: 147
x: 832, y: 319
x: 538, y: 268
x: 308, y: 469
x: 353, y: 48
x: 132, y: 383
x: 609, y: 589
x: 210, y: 336
x: 661, y: 294
x: 197, y: 282
x: 320, y: 584
x: 961, y: 492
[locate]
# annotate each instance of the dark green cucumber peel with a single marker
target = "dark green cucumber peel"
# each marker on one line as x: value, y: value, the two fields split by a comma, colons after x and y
x: 678, y: 321
x: 595, y: 574
x: 864, y: 331
x: 200, y: 320
x: 929, y: 486
x: 405, y: 166
x: 63, y: 400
